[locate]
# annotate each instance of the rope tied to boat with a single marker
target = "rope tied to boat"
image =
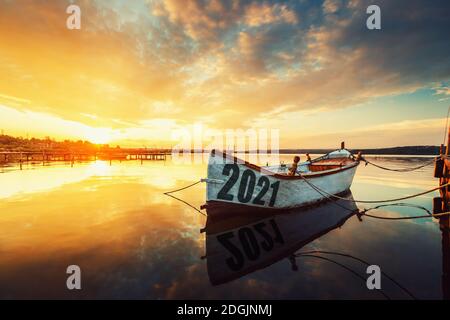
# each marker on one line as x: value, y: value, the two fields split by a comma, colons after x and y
x: 397, y: 170
x: 312, y: 253
x: 435, y: 215
x: 169, y: 193
x: 330, y: 195
x: 183, y: 188
x: 344, y: 267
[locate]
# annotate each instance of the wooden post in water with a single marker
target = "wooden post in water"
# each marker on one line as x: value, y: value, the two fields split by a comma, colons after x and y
x: 444, y: 180
x: 443, y: 165
x: 445, y: 248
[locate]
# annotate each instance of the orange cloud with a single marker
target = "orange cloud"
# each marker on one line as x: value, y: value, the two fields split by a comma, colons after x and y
x: 227, y: 64
x: 263, y: 13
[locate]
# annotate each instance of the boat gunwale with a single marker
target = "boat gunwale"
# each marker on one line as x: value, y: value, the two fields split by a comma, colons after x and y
x: 215, y: 208
x: 282, y: 176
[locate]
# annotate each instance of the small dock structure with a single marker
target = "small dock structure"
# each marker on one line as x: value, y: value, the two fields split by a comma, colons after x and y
x: 47, y: 156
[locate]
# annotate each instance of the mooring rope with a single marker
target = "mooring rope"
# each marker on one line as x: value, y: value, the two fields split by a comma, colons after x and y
x: 357, y: 259
x: 415, y: 168
x: 364, y: 212
x: 344, y: 267
x: 183, y: 188
x: 401, y: 204
x: 446, y: 126
x: 169, y: 193
x: 435, y: 215
x: 321, y: 191
x: 398, y: 170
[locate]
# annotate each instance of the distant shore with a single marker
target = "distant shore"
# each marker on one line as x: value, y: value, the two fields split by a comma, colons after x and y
x: 15, y: 144
x: 407, y: 150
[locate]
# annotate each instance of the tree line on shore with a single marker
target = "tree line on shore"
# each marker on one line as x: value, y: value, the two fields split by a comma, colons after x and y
x: 10, y: 143
x: 19, y: 144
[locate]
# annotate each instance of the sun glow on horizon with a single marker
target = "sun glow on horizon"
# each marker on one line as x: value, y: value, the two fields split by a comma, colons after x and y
x: 100, y: 135
x: 133, y: 77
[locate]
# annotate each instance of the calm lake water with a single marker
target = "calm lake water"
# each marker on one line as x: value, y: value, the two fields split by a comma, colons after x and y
x: 132, y: 241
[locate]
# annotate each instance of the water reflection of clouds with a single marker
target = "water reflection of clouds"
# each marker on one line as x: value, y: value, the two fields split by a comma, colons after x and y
x: 45, y: 179
x: 134, y: 242
x: 120, y: 257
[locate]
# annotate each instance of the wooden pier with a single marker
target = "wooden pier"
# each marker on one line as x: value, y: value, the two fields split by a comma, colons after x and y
x: 148, y: 156
x: 47, y: 156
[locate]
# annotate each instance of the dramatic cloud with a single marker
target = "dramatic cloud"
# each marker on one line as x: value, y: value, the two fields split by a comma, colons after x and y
x: 258, y: 14
x: 224, y: 63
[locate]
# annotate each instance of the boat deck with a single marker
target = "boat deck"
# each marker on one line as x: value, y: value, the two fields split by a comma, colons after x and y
x: 327, y: 164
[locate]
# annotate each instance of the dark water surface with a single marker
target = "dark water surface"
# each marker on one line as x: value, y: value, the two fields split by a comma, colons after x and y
x: 131, y: 241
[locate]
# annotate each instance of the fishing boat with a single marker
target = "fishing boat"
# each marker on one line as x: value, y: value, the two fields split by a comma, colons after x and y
x: 237, y: 184
x: 241, y: 244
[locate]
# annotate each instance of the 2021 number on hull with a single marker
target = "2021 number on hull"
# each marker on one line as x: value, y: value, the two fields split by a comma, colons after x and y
x: 247, y: 186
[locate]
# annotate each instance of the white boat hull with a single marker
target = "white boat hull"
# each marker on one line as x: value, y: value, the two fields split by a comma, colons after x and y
x: 233, y: 181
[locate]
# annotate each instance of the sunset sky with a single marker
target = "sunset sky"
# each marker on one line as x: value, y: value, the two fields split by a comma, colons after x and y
x: 140, y: 69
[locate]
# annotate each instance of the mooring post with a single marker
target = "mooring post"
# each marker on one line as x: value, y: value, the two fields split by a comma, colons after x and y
x: 440, y: 205
x: 445, y: 178
x: 445, y: 248
x: 20, y: 160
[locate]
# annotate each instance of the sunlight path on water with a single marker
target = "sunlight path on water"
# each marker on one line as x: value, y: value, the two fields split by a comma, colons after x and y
x: 132, y: 241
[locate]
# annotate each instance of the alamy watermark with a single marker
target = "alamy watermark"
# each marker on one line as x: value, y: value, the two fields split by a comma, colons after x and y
x: 73, y: 22
x: 194, y: 144
x: 374, y: 280
x: 73, y: 281
x: 373, y: 22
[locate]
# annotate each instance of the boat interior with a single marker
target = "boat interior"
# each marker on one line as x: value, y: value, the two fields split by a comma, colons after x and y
x: 333, y: 160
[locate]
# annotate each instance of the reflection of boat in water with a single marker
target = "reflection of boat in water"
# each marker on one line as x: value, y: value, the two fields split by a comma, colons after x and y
x: 236, y: 182
x: 240, y: 244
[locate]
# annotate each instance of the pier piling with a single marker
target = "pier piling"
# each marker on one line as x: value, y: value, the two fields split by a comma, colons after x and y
x: 441, y: 204
x: 25, y: 156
